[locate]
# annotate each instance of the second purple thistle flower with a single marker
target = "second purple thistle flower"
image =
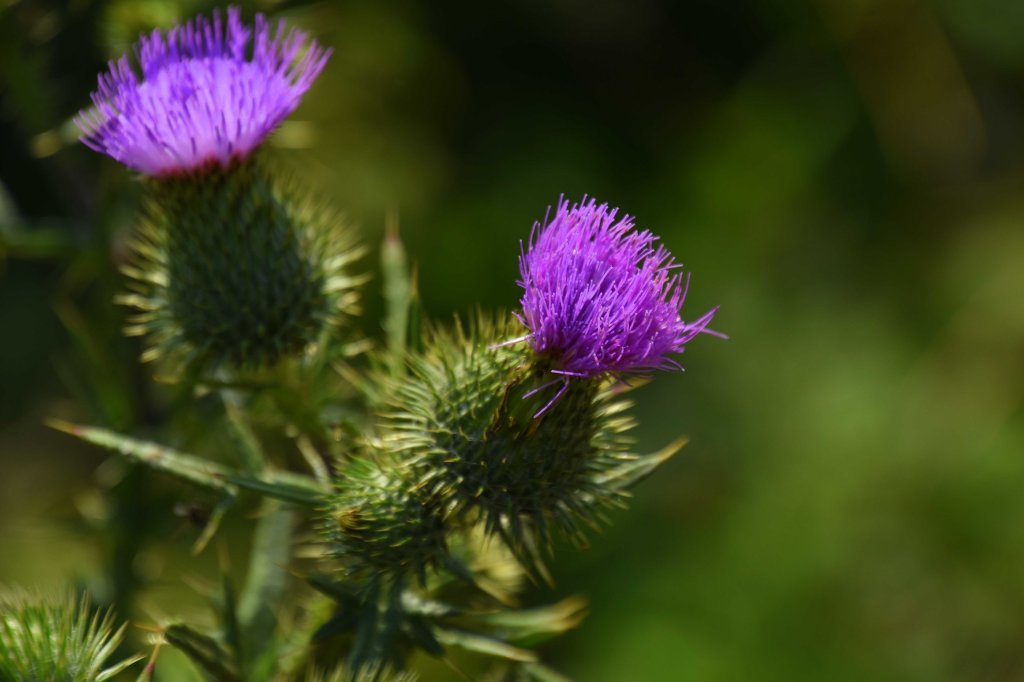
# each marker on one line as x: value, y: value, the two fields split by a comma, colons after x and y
x: 201, y: 98
x: 602, y: 297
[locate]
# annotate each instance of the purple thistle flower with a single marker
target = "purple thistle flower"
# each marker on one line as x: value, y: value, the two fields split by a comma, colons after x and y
x: 200, y: 100
x: 602, y: 297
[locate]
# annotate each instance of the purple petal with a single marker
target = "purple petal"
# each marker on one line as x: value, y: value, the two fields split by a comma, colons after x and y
x: 600, y: 296
x: 199, y: 100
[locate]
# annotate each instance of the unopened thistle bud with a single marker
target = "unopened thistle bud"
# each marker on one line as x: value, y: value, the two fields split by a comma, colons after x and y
x: 233, y: 266
x: 55, y: 638
x: 381, y: 523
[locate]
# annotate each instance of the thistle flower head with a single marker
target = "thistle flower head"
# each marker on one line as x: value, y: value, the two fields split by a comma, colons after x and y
x: 602, y: 297
x: 204, y: 96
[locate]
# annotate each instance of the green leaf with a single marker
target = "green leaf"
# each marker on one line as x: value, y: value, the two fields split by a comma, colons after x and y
x: 482, y: 644
x: 229, y: 621
x: 189, y: 467
x: 251, y: 457
x: 267, y: 580
x: 284, y: 486
x: 477, y: 580
x: 117, y: 669
x: 212, y: 524
x: 204, y: 651
x: 342, y: 593
x: 538, y: 624
x: 399, y: 296
x: 422, y: 634
x: 345, y: 620
x: 542, y: 673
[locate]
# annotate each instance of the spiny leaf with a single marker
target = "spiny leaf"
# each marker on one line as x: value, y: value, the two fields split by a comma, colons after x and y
x: 251, y: 456
x: 542, y: 673
x: 293, y: 488
x: 267, y: 580
x: 189, y: 467
x: 399, y: 292
x: 538, y: 624
x: 213, y: 524
x: 483, y: 644
x: 204, y: 651
x: 341, y: 592
x: 229, y: 621
x: 420, y: 632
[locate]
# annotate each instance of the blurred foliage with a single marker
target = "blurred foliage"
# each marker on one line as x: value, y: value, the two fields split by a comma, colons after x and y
x: 844, y: 176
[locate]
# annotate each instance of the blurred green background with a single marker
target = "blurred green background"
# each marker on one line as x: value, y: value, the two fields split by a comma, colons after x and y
x: 845, y: 177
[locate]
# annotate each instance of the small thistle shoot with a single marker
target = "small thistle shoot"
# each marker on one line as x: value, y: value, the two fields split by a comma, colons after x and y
x: 56, y: 638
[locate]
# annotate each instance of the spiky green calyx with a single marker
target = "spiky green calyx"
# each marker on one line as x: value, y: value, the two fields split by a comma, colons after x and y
x: 235, y: 268
x: 465, y: 417
x: 381, y: 523
x: 48, y: 638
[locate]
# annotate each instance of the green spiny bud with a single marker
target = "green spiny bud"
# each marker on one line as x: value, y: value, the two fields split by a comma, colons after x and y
x: 466, y: 416
x: 233, y: 269
x: 43, y: 639
x: 380, y: 522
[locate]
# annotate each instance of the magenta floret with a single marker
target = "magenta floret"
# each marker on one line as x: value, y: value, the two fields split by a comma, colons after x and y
x: 601, y: 296
x: 204, y: 96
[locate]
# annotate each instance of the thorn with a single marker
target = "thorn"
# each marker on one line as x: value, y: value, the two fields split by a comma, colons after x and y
x: 63, y: 426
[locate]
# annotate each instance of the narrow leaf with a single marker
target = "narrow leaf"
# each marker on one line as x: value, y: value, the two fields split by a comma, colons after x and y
x: 542, y: 673
x: 189, y: 467
x: 118, y: 668
x: 204, y: 651
x: 397, y: 287
x: 251, y: 457
x: 267, y: 579
x: 212, y: 524
x: 539, y: 623
x: 482, y: 644
x: 285, y: 488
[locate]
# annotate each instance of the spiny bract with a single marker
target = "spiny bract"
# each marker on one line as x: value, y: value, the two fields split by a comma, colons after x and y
x: 464, y: 417
x: 379, y: 522
x: 234, y: 269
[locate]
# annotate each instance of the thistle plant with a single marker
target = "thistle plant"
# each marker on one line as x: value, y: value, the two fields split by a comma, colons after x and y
x: 444, y: 460
x: 235, y: 266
